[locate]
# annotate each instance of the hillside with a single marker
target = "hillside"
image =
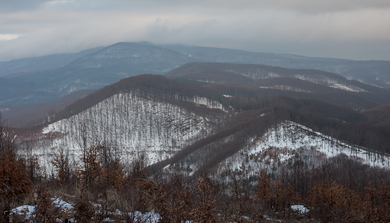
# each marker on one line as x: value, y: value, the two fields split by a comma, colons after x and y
x: 147, y: 114
x: 339, y: 129
x: 374, y: 73
x: 261, y: 80
x: 260, y: 72
x: 288, y: 142
x: 379, y: 114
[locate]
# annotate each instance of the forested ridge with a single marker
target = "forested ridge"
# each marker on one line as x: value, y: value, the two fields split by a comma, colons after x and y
x: 98, y: 186
x: 253, y: 80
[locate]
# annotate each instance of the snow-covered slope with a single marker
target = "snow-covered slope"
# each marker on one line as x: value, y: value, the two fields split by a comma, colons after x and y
x: 131, y: 123
x: 284, y: 143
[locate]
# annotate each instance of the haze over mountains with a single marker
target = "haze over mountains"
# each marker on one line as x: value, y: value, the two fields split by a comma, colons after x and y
x: 35, y: 64
x: 37, y: 80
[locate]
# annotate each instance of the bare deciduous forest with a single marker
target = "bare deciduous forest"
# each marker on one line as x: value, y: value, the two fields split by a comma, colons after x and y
x: 103, y: 189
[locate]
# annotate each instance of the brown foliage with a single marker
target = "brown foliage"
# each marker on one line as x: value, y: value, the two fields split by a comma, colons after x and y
x: 205, y: 210
x: 45, y: 211
x: 61, y: 164
x: 92, y: 167
x: 84, y: 211
x: 263, y: 184
x: 13, y: 182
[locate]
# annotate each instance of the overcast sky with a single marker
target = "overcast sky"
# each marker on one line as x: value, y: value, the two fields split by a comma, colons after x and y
x: 351, y: 29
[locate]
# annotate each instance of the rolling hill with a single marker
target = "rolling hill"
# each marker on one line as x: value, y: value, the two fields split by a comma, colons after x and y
x: 261, y: 80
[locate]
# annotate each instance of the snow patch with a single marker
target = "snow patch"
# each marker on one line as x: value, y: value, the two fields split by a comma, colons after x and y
x: 285, y: 88
x: 25, y: 210
x: 300, y: 209
x: 203, y: 101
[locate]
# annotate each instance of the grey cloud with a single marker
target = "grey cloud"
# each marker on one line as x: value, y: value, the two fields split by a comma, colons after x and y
x: 280, y: 36
x: 360, y: 31
x: 306, y: 6
x: 20, y: 5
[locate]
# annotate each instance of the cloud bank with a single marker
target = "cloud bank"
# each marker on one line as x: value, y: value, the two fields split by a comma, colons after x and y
x: 357, y: 29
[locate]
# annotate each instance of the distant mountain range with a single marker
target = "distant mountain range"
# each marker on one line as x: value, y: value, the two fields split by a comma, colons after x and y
x: 39, y: 80
x: 43, y: 63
